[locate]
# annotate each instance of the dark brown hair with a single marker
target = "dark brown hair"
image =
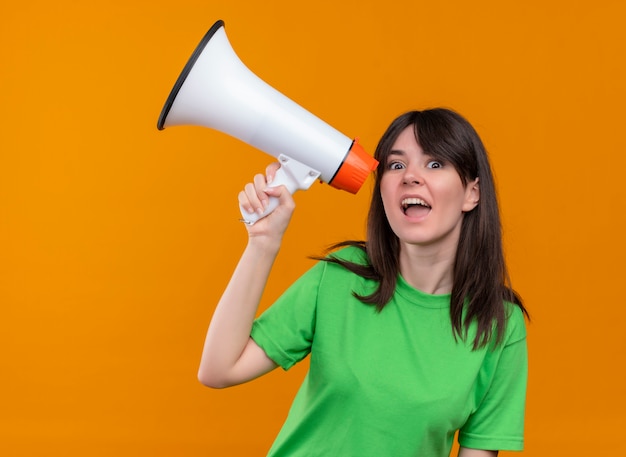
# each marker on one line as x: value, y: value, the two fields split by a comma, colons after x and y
x: 481, y: 281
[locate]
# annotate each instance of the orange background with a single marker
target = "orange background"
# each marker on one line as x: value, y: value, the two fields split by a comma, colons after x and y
x: 117, y: 239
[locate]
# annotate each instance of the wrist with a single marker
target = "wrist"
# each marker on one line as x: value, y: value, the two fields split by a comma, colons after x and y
x: 264, y: 244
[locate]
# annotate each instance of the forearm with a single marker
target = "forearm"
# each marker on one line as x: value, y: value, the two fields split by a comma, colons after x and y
x: 229, y: 330
x: 467, y: 452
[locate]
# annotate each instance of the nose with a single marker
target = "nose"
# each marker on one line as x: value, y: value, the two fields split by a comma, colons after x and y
x: 411, y: 177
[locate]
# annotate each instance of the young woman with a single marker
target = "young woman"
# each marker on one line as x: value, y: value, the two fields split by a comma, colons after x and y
x: 413, y: 335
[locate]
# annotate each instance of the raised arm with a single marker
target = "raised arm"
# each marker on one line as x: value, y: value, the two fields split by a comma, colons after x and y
x: 466, y: 452
x: 230, y: 356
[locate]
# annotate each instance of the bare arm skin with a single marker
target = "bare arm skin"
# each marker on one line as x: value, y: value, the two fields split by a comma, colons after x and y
x: 230, y: 356
x: 466, y: 452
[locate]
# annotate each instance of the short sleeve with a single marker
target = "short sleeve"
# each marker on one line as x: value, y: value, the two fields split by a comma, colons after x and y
x: 498, y: 422
x: 285, y: 330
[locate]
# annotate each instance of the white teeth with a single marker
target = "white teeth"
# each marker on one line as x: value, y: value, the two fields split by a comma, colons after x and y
x: 414, y: 201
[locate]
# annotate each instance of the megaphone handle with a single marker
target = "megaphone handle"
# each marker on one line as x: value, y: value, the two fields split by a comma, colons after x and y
x: 293, y: 175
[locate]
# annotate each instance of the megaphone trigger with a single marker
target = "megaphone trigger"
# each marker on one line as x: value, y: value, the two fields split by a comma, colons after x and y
x: 293, y: 175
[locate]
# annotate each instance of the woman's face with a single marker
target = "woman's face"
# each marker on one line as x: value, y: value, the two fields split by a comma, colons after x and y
x: 424, y: 199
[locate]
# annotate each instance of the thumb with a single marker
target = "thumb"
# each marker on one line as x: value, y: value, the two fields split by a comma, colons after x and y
x: 282, y: 194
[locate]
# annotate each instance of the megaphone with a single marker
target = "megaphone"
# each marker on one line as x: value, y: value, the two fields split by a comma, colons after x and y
x: 216, y: 90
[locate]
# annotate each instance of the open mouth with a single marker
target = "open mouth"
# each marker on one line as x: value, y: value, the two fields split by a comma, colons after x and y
x: 415, y: 207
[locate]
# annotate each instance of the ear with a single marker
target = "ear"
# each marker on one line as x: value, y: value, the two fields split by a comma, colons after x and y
x: 472, y: 196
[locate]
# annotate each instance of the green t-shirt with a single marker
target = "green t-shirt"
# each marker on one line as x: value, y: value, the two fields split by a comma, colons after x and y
x: 391, y: 383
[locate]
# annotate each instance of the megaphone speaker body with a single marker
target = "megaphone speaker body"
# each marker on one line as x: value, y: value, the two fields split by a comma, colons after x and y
x: 216, y: 90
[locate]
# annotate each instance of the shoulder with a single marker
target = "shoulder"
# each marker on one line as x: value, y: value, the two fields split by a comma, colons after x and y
x: 346, y: 267
x: 515, y: 323
x: 352, y: 254
x: 337, y: 263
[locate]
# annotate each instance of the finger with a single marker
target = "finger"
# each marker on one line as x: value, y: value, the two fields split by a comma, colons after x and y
x: 270, y: 171
x: 260, y: 185
x: 283, y: 195
x: 248, y: 203
x: 252, y: 197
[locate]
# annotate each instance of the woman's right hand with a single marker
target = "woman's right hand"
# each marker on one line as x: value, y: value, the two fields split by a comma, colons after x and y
x: 255, y: 198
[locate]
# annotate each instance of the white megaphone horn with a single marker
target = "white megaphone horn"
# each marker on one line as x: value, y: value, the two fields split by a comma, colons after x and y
x: 216, y: 90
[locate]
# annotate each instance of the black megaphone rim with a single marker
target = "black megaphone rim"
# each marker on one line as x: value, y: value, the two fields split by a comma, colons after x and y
x: 186, y: 70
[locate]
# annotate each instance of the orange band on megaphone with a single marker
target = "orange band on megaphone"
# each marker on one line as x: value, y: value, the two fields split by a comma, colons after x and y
x: 354, y: 170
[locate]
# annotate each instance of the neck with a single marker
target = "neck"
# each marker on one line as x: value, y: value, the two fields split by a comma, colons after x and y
x: 430, y: 271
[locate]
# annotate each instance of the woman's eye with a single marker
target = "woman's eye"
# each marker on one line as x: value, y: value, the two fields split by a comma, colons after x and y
x: 395, y: 166
x: 434, y: 164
